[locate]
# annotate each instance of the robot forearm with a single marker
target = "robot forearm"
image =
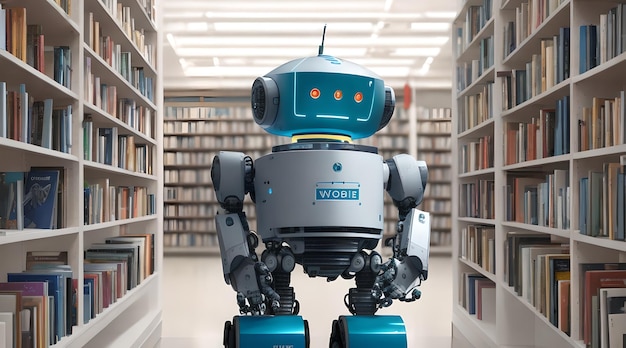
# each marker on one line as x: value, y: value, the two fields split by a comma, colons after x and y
x: 242, y: 269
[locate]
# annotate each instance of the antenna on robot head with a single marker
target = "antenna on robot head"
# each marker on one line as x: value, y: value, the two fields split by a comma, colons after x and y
x: 321, y: 47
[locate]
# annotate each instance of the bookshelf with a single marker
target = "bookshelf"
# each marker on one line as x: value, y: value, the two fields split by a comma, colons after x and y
x: 86, y: 75
x: 434, y: 129
x: 197, y: 127
x: 531, y: 82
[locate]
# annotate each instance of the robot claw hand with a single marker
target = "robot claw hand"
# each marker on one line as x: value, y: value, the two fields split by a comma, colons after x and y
x: 399, y: 277
x: 398, y: 280
x: 254, y: 301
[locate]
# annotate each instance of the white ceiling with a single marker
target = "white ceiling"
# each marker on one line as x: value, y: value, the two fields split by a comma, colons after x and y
x: 219, y: 46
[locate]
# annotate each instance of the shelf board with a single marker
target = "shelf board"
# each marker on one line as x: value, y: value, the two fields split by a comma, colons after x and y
x: 610, y: 72
x: 487, y: 171
x: 480, y: 221
x: 107, y: 120
x: 16, y: 236
x: 477, y: 86
x: 543, y: 318
x: 484, y: 128
x: 440, y: 250
x: 423, y: 119
x: 38, y: 85
x: 487, y: 331
x: 434, y: 134
x: 108, y: 169
x: 537, y: 163
x: 189, y: 184
x: 187, y: 166
x: 605, y: 151
x: 171, y: 201
x: 536, y: 228
x: 604, y: 242
x: 103, y: 225
x: 479, y: 269
x: 545, y: 100
x: 12, y: 147
x: 180, y: 251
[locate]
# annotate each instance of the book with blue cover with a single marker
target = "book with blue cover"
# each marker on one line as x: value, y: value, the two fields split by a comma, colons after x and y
x: 55, y: 289
x: 40, y: 198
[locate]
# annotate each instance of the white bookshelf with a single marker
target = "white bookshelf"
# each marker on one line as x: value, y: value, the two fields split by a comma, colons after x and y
x: 517, y: 323
x: 134, y: 319
x: 196, y: 128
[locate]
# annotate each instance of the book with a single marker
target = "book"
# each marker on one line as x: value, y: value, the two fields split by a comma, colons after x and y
x: 40, y: 200
x: 34, y: 258
x: 485, y: 300
x: 3, y: 102
x: 11, y: 200
x: 11, y: 302
x: 564, y: 314
x: 46, y: 131
x: 34, y: 294
x: 557, y: 268
x: 144, y: 253
x: 593, y: 281
x: 612, y: 301
x: 515, y: 241
x: 617, y: 330
x: 66, y: 274
x: 529, y: 255
x: 55, y: 290
x: 6, y: 329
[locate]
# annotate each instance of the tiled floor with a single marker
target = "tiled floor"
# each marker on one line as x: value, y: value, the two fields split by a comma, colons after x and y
x: 197, y: 301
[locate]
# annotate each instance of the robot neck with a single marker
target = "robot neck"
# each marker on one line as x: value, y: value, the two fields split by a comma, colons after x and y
x: 303, y: 138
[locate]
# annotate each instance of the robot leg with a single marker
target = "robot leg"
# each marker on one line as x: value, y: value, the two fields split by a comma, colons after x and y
x: 267, y: 331
x: 368, y: 331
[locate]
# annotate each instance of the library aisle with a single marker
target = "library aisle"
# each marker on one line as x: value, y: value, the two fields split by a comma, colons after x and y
x: 197, y: 301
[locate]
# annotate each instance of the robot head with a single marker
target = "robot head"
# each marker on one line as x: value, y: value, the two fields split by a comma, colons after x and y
x: 322, y: 95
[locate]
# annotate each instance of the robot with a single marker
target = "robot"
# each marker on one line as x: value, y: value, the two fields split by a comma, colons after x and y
x: 319, y: 204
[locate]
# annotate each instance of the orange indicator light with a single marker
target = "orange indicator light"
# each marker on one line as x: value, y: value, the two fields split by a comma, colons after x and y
x: 315, y: 93
x: 358, y: 97
x: 338, y: 94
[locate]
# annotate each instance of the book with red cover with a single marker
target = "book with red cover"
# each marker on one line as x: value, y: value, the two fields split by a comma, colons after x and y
x: 480, y: 285
x: 594, y: 280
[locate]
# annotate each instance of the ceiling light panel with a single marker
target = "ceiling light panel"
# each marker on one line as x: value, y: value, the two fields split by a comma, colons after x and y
x: 226, y: 43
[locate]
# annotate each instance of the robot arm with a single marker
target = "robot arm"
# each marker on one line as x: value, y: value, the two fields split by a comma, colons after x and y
x: 232, y: 175
x: 400, y: 276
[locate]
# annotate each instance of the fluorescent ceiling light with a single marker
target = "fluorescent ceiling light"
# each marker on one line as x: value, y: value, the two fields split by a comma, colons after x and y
x: 242, y: 71
x: 329, y: 16
x: 197, y: 26
x: 366, y: 62
x: 238, y: 71
x: 271, y: 6
x: 182, y: 15
x: 313, y: 41
x: 265, y: 52
x: 387, y: 5
x: 292, y: 27
x: 440, y: 14
x: 391, y: 71
x: 430, y: 27
x: 416, y: 52
x: 171, y: 40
